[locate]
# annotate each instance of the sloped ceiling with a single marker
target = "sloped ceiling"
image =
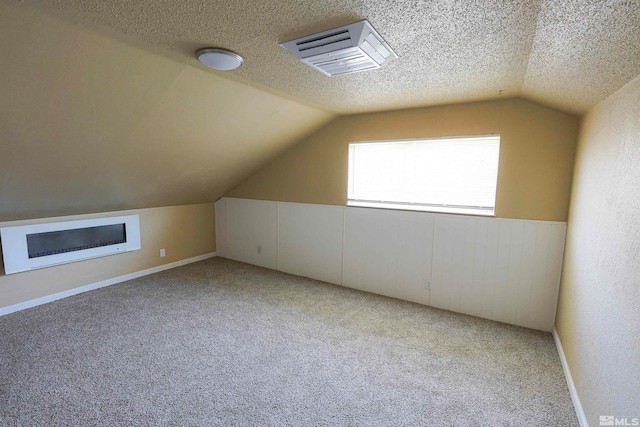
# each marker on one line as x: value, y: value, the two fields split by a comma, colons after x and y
x: 104, y: 107
x: 90, y: 124
x: 568, y: 54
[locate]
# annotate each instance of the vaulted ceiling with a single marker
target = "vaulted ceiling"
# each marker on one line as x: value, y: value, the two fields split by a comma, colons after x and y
x: 569, y: 54
x: 104, y: 107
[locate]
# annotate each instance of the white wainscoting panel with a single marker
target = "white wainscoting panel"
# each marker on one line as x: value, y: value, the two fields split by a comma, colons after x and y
x: 500, y: 269
x: 388, y: 252
x: 221, y: 227
x: 310, y: 241
x: 548, y: 271
x: 252, y: 223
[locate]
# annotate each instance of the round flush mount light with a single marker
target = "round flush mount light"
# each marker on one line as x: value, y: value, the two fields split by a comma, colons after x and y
x: 219, y: 59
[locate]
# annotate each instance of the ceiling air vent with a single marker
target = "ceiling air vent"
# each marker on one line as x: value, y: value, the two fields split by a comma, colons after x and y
x: 344, y: 50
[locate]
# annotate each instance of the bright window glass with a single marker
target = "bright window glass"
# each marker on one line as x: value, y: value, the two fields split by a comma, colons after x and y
x: 457, y: 175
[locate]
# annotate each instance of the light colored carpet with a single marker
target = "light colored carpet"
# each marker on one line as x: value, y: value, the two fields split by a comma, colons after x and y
x: 224, y: 343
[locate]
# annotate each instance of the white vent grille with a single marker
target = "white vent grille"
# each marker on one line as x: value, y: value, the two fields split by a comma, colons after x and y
x: 344, y: 50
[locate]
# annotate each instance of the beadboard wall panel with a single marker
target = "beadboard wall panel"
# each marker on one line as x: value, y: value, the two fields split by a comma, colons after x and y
x: 221, y: 227
x: 310, y: 241
x: 500, y: 269
x: 506, y: 270
x: 388, y: 252
x: 252, y: 232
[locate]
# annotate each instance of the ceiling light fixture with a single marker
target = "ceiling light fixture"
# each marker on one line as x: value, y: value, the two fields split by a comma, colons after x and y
x: 219, y: 59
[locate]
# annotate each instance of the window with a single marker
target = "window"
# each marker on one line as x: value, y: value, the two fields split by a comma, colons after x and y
x: 456, y: 175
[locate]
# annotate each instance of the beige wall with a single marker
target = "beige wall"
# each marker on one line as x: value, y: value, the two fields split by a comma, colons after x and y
x: 184, y: 231
x: 536, y: 155
x: 598, y: 318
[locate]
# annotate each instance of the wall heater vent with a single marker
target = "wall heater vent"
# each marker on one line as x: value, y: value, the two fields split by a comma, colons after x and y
x: 34, y: 246
x: 349, y: 49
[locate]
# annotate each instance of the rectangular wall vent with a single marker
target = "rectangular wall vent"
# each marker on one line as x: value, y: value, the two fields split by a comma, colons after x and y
x: 349, y: 49
x: 29, y: 247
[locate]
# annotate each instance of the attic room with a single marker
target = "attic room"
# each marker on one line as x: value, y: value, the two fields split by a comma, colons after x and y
x: 366, y: 213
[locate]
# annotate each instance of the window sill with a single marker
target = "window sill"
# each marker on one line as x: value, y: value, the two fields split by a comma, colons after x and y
x: 421, y: 208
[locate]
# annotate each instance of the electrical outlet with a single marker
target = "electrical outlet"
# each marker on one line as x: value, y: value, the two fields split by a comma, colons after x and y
x: 259, y: 249
x: 162, y: 253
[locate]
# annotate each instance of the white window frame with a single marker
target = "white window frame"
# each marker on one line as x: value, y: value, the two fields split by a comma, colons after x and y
x: 454, y: 209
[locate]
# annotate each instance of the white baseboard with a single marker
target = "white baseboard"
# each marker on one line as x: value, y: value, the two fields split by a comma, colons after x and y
x: 582, y: 419
x: 90, y: 287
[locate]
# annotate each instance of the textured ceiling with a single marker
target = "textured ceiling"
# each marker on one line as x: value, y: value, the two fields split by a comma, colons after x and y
x: 564, y: 53
x: 583, y: 52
